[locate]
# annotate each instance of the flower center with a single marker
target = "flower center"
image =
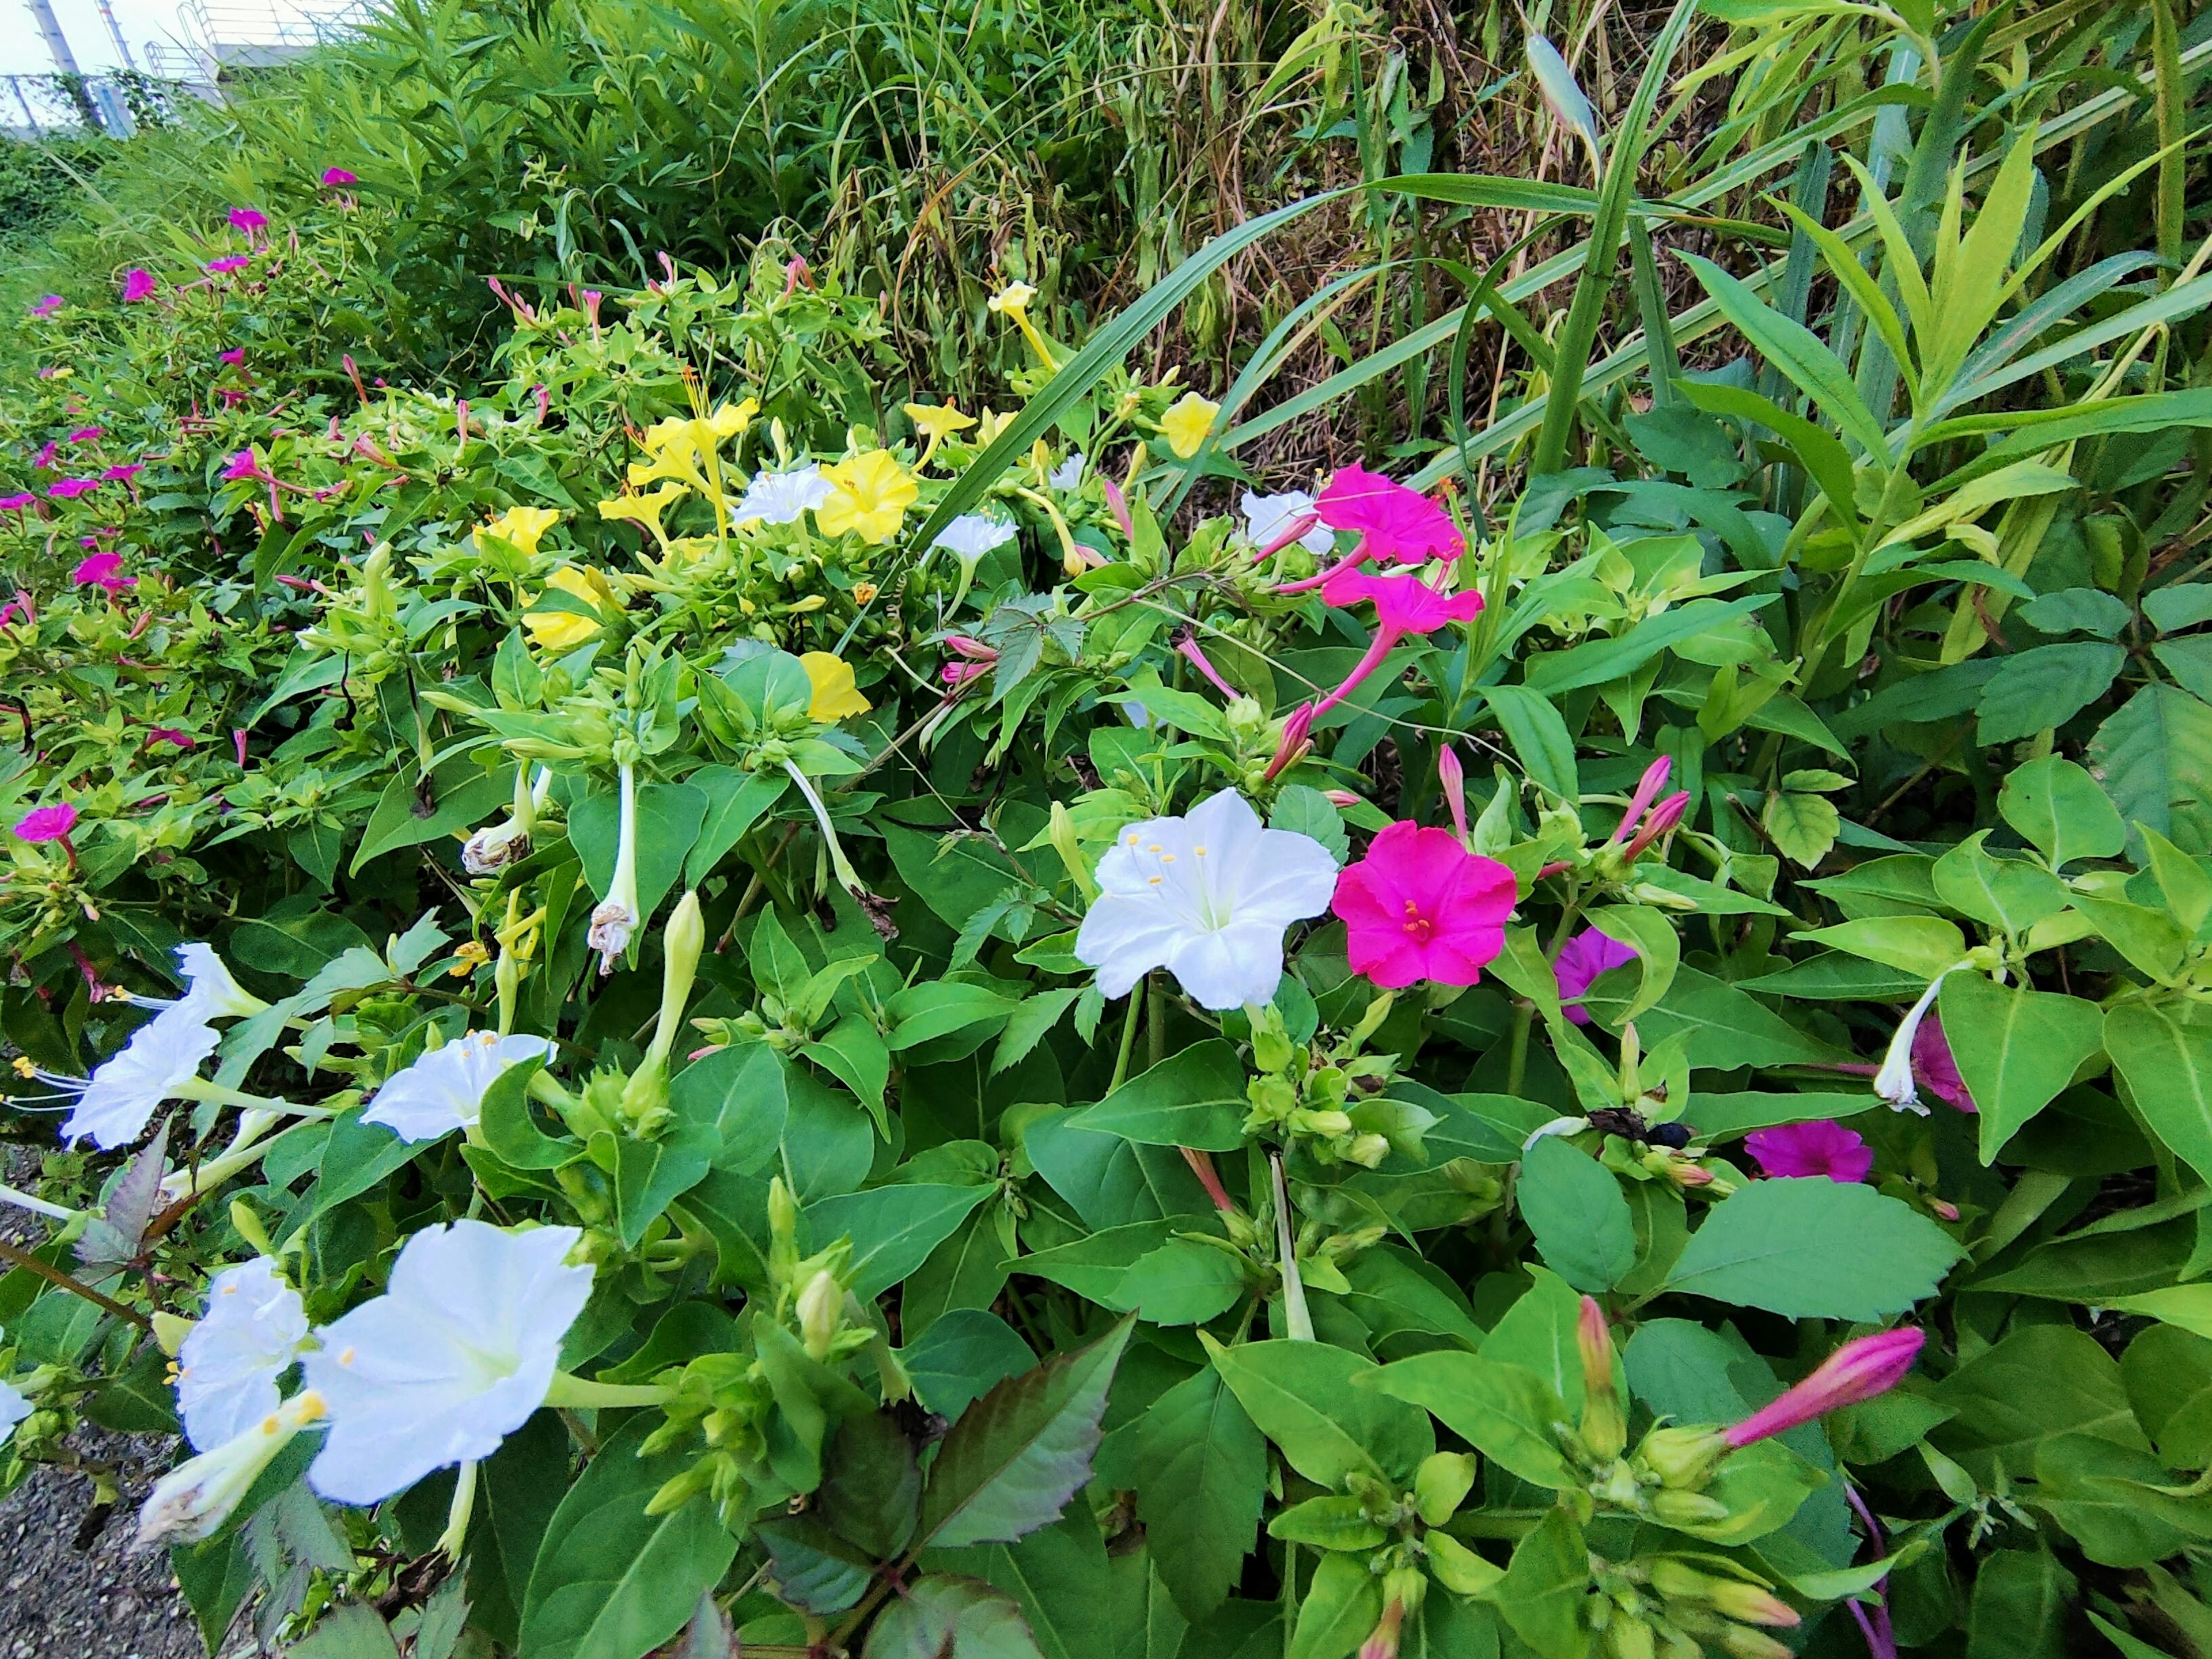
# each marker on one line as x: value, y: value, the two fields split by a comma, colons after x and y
x: 1417, y: 924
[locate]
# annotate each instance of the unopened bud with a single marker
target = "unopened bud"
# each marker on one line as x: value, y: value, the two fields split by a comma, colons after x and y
x: 1688, y: 1509
x: 1604, y: 1430
x: 1368, y: 1151
x: 1741, y: 1643
x: 782, y: 1217
x: 1734, y: 1598
x: 1683, y: 1459
x: 820, y: 1306
x: 1630, y: 1638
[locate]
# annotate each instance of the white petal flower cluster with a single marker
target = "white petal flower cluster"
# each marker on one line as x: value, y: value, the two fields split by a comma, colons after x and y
x: 1208, y: 897
x: 444, y: 1090
x: 228, y: 1366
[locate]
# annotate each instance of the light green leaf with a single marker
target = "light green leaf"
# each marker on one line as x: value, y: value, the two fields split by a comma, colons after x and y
x: 1815, y: 1249
x: 2015, y: 1049
x: 1573, y: 1205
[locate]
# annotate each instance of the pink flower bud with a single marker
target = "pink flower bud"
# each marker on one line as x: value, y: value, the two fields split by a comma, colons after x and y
x: 1295, y: 741
x: 1451, y: 777
x: 1647, y: 791
x: 1659, y: 820
x: 966, y: 645
x: 1187, y: 647
x: 1859, y: 1370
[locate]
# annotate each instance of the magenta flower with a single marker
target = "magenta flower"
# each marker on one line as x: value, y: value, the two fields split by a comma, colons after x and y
x: 123, y: 474
x: 1403, y: 605
x: 224, y: 266
x: 47, y: 823
x: 48, y: 305
x: 250, y: 221
x: 1859, y: 1370
x: 44, y: 459
x: 1937, y: 1072
x: 103, y: 570
x: 1419, y: 906
x: 337, y: 177
x: 137, y: 284
x: 242, y: 466
x: 1823, y: 1147
x: 22, y: 501
x: 1393, y: 521
x: 1586, y: 956
x: 70, y: 488
x: 236, y: 357
x: 85, y: 435
x: 169, y: 734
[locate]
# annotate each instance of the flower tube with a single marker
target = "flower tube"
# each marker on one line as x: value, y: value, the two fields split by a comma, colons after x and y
x: 616, y: 916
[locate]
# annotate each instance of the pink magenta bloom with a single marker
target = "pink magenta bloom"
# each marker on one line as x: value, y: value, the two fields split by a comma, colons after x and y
x: 1419, y: 906
x: 169, y: 734
x: 123, y: 474
x: 48, y: 305
x: 47, y: 823
x: 85, y: 435
x: 22, y: 501
x: 1859, y: 1370
x: 44, y: 459
x: 1933, y: 1065
x: 251, y: 221
x: 337, y: 176
x: 1586, y: 956
x: 242, y: 466
x: 137, y: 284
x: 1403, y: 605
x: 1823, y: 1147
x: 1393, y: 521
x: 103, y: 570
x: 223, y: 267
x: 70, y: 488
x: 236, y: 357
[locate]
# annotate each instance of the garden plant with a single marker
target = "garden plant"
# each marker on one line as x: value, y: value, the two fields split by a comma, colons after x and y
x: 735, y: 966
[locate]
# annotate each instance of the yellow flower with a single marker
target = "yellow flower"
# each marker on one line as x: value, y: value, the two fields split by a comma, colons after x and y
x: 521, y: 527
x: 558, y: 630
x: 1014, y: 300
x: 1187, y: 422
x: 645, y: 508
x: 993, y: 423
x: 868, y: 494
x: 864, y: 593
x: 835, y: 695
x: 680, y: 445
x: 937, y: 423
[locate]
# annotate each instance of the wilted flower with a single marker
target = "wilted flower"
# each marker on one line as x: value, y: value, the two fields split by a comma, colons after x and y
x: 176, y: 737
x: 1822, y: 1147
x: 1584, y: 957
x: 1894, y: 1082
x: 1937, y: 1072
x: 616, y: 916
x: 1419, y: 906
x: 1208, y: 897
x: 227, y: 1370
x: 196, y: 1497
x: 444, y: 1090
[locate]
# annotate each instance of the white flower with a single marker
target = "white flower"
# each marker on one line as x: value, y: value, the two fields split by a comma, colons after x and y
x: 161, y: 1057
x: 1208, y: 897
x: 1266, y: 517
x: 198, y: 1496
x: 972, y: 535
x: 493, y: 849
x: 1068, y: 475
x: 1894, y: 1082
x: 449, y: 1361
x: 444, y: 1090
x: 208, y: 981
x: 781, y: 497
x: 227, y: 1368
x: 616, y: 916
x: 14, y: 1408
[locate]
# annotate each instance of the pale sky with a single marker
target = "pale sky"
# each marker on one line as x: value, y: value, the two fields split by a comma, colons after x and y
x: 22, y: 51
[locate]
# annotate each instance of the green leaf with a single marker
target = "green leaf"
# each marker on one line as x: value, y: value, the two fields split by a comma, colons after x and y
x: 1110, y: 1182
x: 650, y: 1175
x: 936, y: 1616
x: 1341, y: 1605
x: 668, y: 819
x: 1801, y: 826
x: 736, y: 801
x: 1058, y: 1575
x: 811, y: 1567
x: 2015, y: 1049
x: 459, y: 794
x: 1504, y: 1412
x: 1815, y: 1249
x: 1650, y: 934
x: 1922, y: 946
x: 1573, y: 1205
x: 1203, y: 1468
x: 2077, y: 611
x: 1537, y: 1334
x: 871, y: 1483
x: 518, y: 1489
x: 1303, y: 1397
x: 1017, y: 1455
x: 2155, y: 758
x: 893, y: 1228
x: 349, y: 1631
x: 611, y: 1582
x: 961, y: 1355
x: 936, y: 1008
x: 2019, y: 1606
x: 357, y: 1156
x: 1540, y: 738
x: 2012, y: 894
x: 1304, y: 811
x: 2058, y: 808
x: 2035, y: 690
x: 2165, y: 1060
x: 1544, y: 1590
x: 1797, y: 353
x: 1192, y: 1098
x: 1724, y: 1027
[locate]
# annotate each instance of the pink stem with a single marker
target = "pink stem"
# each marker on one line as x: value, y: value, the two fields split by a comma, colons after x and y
x: 1351, y: 561
x: 1377, y: 648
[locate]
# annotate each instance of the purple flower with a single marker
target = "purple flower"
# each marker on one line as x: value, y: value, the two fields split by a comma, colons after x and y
x: 335, y: 177
x: 169, y: 734
x: 1823, y: 1147
x: 48, y: 305
x: 123, y: 474
x: 44, y: 459
x: 47, y: 823
x: 103, y: 570
x: 137, y: 284
x: 68, y: 489
x: 23, y: 501
x: 1586, y: 956
x: 1933, y: 1065
x: 236, y: 357
x: 242, y: 466
x: 85, y: 435
x: 251, y: 221
x: 225, y: 266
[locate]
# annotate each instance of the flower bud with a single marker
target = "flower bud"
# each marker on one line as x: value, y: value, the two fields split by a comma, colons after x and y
x: 1630, y: 1638
x: 1741, y: 1644
x: 821, y: 1306
x: 1749, y: 1603
x: 193, y: 1499
x: 1859, y: 1370
x: 1368, y: 1151
x: 1683, y: 1459
x: 1441, y: 1485
x: 1604, y: 1430
x: 1688, y: 1509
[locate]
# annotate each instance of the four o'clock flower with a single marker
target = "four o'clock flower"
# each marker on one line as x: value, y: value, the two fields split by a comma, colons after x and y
x: 1859, y: 1370
x: 47, y: 823
x: 103, y: 571
x: 227, y: 1370
x: 1936, y: 1070
x: 337, y: 178
x: 208, y: 981
x: 137, y: 284
x: 454, y: 1358
x: 1419, y: 906
x: 1207, y: 897
x: 251, y: 221
x: 616, y: 916
x: 196, y: 1497
x: 781, y: 497
x: 1403, y: 605
x: 491, y: 850
x: 1391, y: 521
x: 1894, y: 1082
x: 444, y: 1090
x: 162, y: 1059
x: 1822, y: 1147
x: 1582, y: 958
x: 1276, y: 520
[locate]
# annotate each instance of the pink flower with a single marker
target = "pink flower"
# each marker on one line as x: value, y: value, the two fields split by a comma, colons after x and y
x: 1403, y: 605
x: 47, y: 823
x: 242, y: 466
x: 123, y: 474
x: 1419, y: 906
x: 103, y: 570
x: 957, y: 674
x: 236, y: 357
x: 44, y: 459
x: 48, y: 305
x: 1859, y: 1370
x: 70, y: 488
x: 1823, y: 1147
x: 1296, y: 741
x: 1393, y: 521
x: 169, y: 734
x: 23, y: 501
x: 224, y: 266
x: 137, y: 284
x: 1933, y: 1065
x: 85, y: 435
x: 1586, y: 956
x: 337, y: 177
x: 250, y: 221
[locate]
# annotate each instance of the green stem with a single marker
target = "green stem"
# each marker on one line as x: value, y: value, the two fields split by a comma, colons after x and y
x: 576, y: 1393
x: 1295, y: 1317
x: 1128, y: 1039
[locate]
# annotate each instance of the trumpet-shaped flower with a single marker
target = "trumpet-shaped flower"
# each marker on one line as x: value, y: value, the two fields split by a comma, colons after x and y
x: 781, y: 497
x: 68, y: 489
x: 161, y: 1057
x: 1392, y: 521
x: 208, y: 981
x: 1013, y: 301
x: 521, y: 528
x: 936, y: 422
x: 869, y: 496
x: 14, y: 1408
x: 972, y: 535
x: 46, y: 822
x: 103, y: 571
x: 196, y: 1497
x: 137, y: 284
x: 251, y: 221
x: 1068, y: 475
x: 1187, y: 423
x: 1403, y: 605
x: 338, y: 177
x: 1937, y: 1072
x: 616, y: 916
x: 228, y: 264
x: 1207, y: 897
x: 1268, y: 519
x: 1419, y: 907
x: 444, y: 1090
x: 452, y: 1358
x: 836, y: 693
x: 1584, y: 957
x: 1822, y: 1147
x: 562, y: 630
x: 646, y: 507
x: 227, y: 1370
